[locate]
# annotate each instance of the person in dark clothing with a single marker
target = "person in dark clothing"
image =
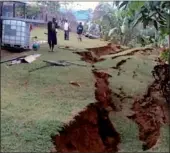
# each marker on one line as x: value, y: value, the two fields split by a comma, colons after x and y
x: 80, y: 31
x: 52, y: 34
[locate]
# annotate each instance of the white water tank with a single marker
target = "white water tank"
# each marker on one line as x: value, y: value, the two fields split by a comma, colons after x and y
x: 15, y: 34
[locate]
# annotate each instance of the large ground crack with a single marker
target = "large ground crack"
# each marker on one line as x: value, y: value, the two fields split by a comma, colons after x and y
x: 93, y: 55
x: 91, y: 130
x: 151, y: 111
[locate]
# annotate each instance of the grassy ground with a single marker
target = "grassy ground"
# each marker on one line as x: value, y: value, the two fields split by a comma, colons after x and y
x: 73, y: 39
x: 132, y: 86
x: 36, y: 105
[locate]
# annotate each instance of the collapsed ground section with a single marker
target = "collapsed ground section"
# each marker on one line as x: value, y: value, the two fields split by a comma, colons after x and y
x: 93, y: 55
x: 91, y: 130
x: 152, y: 110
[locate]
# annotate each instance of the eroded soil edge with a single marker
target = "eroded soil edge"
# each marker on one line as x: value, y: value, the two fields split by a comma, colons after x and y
x: 91, y: 130
x: 152, y: 110
x: 93, y: 55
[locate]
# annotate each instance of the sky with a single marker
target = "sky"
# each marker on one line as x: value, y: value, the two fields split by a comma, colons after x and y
x: 87, y: 5
x: 83, y: 5
x: 80, y: 5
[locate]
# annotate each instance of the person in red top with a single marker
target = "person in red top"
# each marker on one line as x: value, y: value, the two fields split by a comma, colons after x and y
x: 31, y: 27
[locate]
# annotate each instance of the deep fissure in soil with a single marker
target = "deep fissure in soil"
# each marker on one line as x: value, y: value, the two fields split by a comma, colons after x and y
x: 93, y: 55
x: 91, y: 130
x: 152, y: 110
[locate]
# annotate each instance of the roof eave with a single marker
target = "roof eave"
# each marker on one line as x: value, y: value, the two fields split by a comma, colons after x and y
x: 15, y: 1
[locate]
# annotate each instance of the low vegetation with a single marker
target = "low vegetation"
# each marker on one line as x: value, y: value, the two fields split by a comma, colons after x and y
x: 111, y: 96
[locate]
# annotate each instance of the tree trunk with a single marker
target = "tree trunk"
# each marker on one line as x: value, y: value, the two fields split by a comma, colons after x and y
x: 169, y: 50
x: 169, y: 54
x: 169, y: 57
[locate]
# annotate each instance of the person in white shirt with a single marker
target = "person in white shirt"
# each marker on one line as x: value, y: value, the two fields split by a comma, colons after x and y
x: 66, y: 30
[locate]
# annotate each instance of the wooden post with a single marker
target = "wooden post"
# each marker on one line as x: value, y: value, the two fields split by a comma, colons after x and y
x: 168, y: 27
x: 13, y: 9
x: 24, y: 10
x: 1, y: 7
x: 1, y: 10
x: 46, y: 18
x: 169, y: 49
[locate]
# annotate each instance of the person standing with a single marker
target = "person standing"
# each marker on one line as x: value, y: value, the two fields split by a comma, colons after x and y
x: 80, y: 31
x: 66, y: 30
x: 52, y: 34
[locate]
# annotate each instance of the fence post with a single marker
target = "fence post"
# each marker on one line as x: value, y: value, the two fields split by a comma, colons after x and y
x: 1, y: 8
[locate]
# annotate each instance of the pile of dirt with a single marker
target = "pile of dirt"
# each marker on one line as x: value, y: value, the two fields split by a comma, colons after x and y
x: 93, y: 54
x: 91, y: 130
x: 152, y: 110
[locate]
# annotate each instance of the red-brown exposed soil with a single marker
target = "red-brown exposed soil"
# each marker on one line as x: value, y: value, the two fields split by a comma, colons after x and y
x: 89, y: 57
x: 91, y: 130
x: 93, y: 54
x: 151, y: 111
x: 105, y: 50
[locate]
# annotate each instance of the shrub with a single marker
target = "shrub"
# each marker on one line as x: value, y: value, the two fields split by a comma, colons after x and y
x: 164, y: 54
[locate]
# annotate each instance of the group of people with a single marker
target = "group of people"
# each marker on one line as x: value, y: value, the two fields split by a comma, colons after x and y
x: 52, y: 32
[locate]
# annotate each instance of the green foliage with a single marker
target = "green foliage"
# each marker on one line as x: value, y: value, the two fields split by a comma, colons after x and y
x: 149, y: 13
x: 147, y: 36
x: 52, y: 6
x: 164, y: 55
x: 32, y: 10
x: 110, y: 21
x: 119, y: 28
x: 152, y: 13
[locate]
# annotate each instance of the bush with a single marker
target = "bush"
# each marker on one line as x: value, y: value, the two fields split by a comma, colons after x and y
x: 165, y: 54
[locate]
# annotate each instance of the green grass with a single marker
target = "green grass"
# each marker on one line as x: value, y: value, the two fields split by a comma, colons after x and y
x: 36, y: 105
x: 142, y: 65
x: 163, y: 142
x: 128, y: 131
x: 86, y: 43
x: 32, y: 112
